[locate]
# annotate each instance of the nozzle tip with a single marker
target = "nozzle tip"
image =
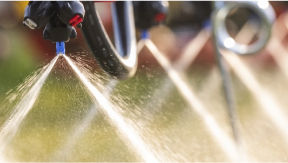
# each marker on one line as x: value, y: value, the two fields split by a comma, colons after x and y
x: 60, y: 48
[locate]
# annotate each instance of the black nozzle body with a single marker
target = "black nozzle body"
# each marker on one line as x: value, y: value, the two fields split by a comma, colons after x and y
x: 37, y: 14
x: 149, y: 13
x: 59, y: 18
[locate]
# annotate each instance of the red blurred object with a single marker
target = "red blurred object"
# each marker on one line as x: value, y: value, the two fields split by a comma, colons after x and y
x: 160, y: 17
x: 75, y: 20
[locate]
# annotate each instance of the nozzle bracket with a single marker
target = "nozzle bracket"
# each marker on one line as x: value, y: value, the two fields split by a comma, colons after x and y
x: 60, y: 48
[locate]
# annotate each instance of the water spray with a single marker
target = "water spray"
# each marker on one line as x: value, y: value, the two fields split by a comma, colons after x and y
x: 37, y: 15
x: 84, y: 124
x: 226, y: 144
x: 267, y: 102
x: 126, y: 129
x: 21, y: 110
x: 224, y: 141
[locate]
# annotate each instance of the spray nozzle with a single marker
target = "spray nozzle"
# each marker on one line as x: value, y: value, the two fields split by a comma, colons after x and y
x: 145, y: 34
x: 59, y: 19
x: 60, y: 48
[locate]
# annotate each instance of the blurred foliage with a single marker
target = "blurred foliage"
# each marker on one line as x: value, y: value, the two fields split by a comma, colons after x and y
x: 18, y: 64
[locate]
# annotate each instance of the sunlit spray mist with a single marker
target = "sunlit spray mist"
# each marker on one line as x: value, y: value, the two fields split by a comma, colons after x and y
x: 190, y: 52
x: 21, y: 110
x: 279, y: 53
x: 126, y: 129
x: 2, y: 159
x: 81, y: 127
x: 269, y: 105
x: 77, y: 132
x: 192, y: 49
x: 153, y: 105
x: 274, y: 46
x: 224, y: 141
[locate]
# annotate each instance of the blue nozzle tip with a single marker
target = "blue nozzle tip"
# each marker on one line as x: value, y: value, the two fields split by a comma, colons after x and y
x: 60, y: 48
x: 207, y: 24
x: 145, y: 34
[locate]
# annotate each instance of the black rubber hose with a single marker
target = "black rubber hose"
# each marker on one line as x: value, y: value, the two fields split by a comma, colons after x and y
x: 121, y: 61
